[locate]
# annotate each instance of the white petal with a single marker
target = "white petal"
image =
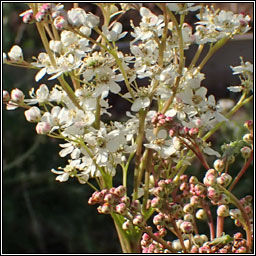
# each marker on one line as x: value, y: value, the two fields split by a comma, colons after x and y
x: 63, y: 177
x: 211, y: 152
x: 40, y: 74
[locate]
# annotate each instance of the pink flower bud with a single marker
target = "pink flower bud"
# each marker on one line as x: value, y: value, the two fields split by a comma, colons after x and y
x: 159, y: 219
x: 40, y: 16
x: 249, y: 125
x: 121, y: 209
x: 193, y: 131
x: 186, y: 227
x: 138, y: 220
x: 45, y: 8
x: 156, y: 202
x: 98, y: 196
x: 6, y: 96
x: 106, y: 208
x: 109, y: 198
x: 136, y: 206
x: 43, y: 128
x: 17, y: 95
x: 28, y: 17
x: 125, y: 200
x: 224, y: 180
x: 33, y: 114
x: 60, y: 22
x: 120, y: 191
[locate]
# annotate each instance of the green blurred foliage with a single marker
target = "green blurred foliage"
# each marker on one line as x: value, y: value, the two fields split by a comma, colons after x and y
x: 41, y: 215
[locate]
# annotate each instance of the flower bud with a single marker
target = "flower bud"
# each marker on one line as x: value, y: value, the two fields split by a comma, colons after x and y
x: 219, y: 165
x: 201, y: 214
x: 15, y: 54
x: 127, y: 225
x: 186, y: 227
x: 248, y: 138
x: 188, y: 217
x: 188, y: 208
x: 109, y: 198
x: 17, y: 95
x: 121, y: 209
x: 231, y: 159
x: 159, y: 219
x: 195, y: 200
x: 6, y: 96
x: 40, y: 16
x: 198, y: 240
x: 176, y: 245
x: 138, y: 220
x: 33, y: 114
x: 224, y: 180
x: 223, y: 211
x: 136, y: 206
x: 235, y: 214
x: 204, y: 237
x: 125, y: 200
x: 156, y: 202
x: 106, y: 208
x: 28, y: 17
x: 246, y: 152
x: 43, y: 128
x: 60, y: 22
x: 193, y: 180
x: 120, y: 191
x: 249, y: 125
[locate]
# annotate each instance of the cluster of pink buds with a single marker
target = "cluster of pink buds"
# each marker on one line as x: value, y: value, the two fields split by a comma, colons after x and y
x: 149, y: 245
x: 114, y: 200
x: 161, y: 119
x: 56, y: 11
x: 111, y: 200
x: 14, y: 100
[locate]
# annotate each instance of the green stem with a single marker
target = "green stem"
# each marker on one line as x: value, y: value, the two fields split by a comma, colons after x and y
x: 212, y: 50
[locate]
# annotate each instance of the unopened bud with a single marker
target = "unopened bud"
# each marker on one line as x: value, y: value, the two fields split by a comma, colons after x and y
x: 138, y: 220
x: 33, y: 114
x: 235, y: 214
x: 186, y: 227
x: 246, y: 152
x: 248, y: 138
x: 223, y: 210
x: 219, y: 165
x: 17, y: 95
x: 6, y: 96
x: 43, y: 128
x: 121, y: 209
x: 224, y: 180
x: 120, y: 191
x: 60, y: 22
x: 201, y: 214
x: 127, y: 225
x: 249, y: 125
x: 106, y: 208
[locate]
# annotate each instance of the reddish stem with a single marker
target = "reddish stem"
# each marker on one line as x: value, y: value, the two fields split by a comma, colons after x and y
x: 240, y: 174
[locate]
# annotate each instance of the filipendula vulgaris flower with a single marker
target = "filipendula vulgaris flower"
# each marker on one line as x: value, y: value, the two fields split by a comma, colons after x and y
x: 15, y: 54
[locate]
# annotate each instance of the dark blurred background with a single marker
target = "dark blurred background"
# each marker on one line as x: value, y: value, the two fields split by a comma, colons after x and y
x: 41, y: 215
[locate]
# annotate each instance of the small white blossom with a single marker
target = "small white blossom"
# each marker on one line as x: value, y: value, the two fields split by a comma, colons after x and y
x: 15, y: 54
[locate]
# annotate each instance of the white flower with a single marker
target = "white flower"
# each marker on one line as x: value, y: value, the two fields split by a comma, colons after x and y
x: 165, y: 147
x: 15, y: 54
x: 115, y: 33
x: 140, y: 103
x: 76, y: 17
x: 106, y: 81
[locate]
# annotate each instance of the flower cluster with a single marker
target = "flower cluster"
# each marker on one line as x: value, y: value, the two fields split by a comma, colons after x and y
x: 166, y: 127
